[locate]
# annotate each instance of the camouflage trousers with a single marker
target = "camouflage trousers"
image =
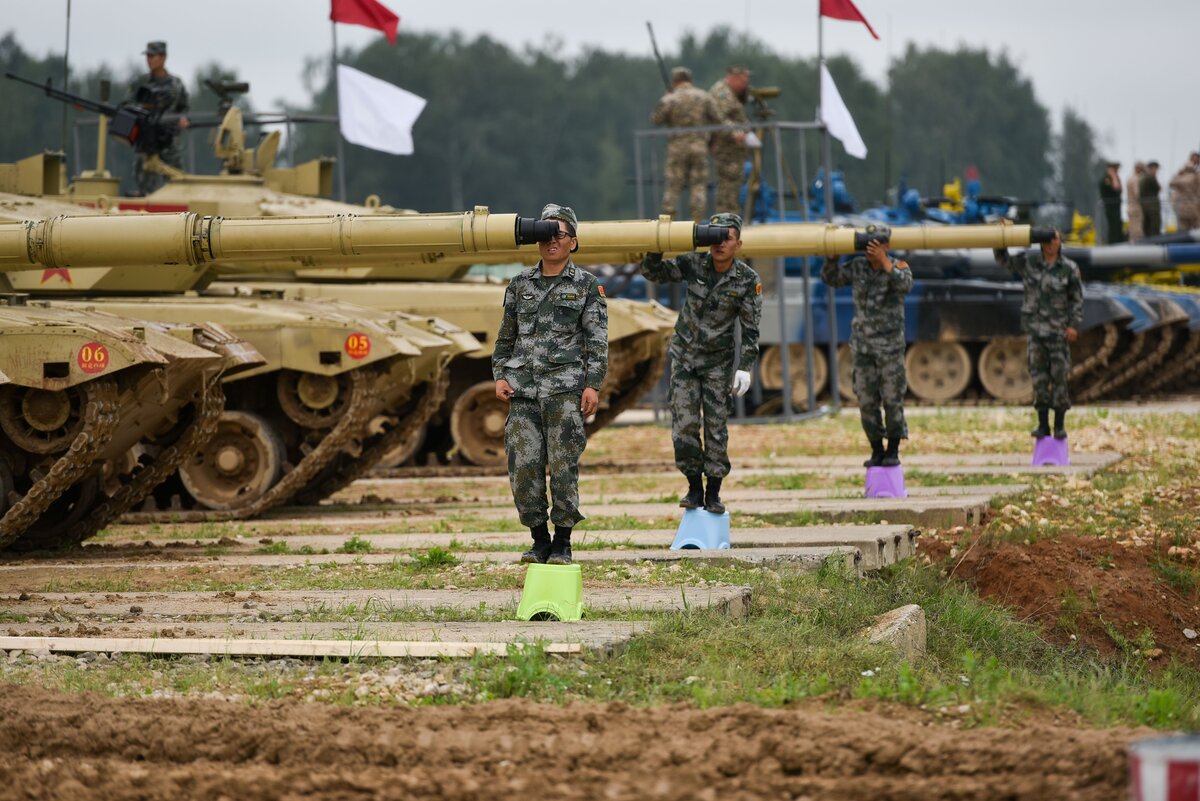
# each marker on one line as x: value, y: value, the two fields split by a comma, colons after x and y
x: 880, y: 383
x: 1049, y: 367
x: 541, y: 434
x: 701, y: 394
x: 731, y: 167
x: 148, y: 182
x: 687, y: 165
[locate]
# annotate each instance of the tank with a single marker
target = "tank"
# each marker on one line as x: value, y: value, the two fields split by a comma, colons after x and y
x: 95, y: 411
x: 341, y: 386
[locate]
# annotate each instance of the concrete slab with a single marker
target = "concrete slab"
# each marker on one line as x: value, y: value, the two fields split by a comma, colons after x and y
x: 801, y: 557
x: 601, y: 636
x: 880, y: 544
x: 903, y: 628
x: 71, y: 607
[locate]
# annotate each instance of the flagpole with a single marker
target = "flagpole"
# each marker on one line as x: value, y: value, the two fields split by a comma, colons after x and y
x: 835, y: 398
x: 341, y: 151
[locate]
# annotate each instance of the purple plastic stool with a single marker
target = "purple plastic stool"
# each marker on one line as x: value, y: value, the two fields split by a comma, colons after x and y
x: 886, y: 482
x: 1048, y: 450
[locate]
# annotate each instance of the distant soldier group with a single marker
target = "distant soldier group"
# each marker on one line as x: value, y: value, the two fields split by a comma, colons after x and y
x: 686, y: 106
x: 1142, y: 199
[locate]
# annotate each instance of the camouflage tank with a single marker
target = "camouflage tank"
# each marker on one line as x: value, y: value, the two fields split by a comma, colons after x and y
x: 342, y: 386
x: 95, y: 411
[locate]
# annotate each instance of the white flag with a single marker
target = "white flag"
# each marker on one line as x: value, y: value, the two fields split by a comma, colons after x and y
x: 837, y: 117
x: 376, y: 114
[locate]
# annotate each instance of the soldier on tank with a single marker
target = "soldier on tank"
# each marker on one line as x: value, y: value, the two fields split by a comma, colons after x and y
x: 1185, y: 194
x: 729, y: 148
x: 1133, y: 205
x: 685, y: 106
x: 1148, y: 191
x: 550, y: 359
x: 159, y: 91
x: 704, y: 373
x: 1051, y: 315
x: 877, y: 341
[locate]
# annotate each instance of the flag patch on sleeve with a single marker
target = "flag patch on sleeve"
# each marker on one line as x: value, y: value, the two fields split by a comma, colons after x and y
x: 758, y: 288
x: 600, y: 287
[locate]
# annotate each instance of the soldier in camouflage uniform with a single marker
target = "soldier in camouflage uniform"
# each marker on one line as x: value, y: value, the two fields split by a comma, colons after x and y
x: 1050, y: 315
x: 550, y: 359
x: 685, y: 106
x: 158, y: 90
x: 877, y: 341
x: 729, y: 149
x: 720, y: 289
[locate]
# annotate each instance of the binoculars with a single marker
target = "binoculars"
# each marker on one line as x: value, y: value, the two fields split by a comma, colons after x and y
x: 531, y: 231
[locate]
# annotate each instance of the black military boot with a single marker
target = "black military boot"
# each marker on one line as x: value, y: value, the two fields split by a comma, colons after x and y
x: 712, y: 497
x: 876, y: 454
x: 540, y: 551
x: 891, y: 457
x: 560, y: 549
x: 1043, y: 429
x: 695, y: 494
x: 1060, y: 428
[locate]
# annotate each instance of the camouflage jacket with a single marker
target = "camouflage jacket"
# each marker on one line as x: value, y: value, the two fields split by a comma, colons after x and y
x: 704, y: 330
x: 686, y: 107
x: 878, y: 300
x: 554, y: 335
x: 732, y: 111
x: 1053, y: 295
x: 168, y: 91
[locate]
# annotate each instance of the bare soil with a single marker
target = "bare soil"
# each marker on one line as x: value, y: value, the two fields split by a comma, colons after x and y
x: 55, y: 746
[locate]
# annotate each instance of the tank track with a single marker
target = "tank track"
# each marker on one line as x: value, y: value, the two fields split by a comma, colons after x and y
x: 363, y: 405
x: 100, y: 421
x: 1182, y: 366
x: 409, y: 425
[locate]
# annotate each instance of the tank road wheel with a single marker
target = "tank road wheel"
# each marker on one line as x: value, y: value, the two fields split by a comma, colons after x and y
x: 311, y: 400
x: 406, y: 450
x: 477, y: 424
x: 62, y: 515
x: 771, y: 369
x: 937, y: 371
x: 846, y: 373
x: 237, y: 465
x: 40, y: 420
x: 1004, y: 371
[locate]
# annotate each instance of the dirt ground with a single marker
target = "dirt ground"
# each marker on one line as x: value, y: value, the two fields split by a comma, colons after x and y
x: 69, y: 747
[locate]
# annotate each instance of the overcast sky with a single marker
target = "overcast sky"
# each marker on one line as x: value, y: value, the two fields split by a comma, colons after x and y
x: 1129, y: 66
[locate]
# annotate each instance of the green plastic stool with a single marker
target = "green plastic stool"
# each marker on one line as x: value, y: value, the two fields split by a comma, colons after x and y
x: 552, y: 592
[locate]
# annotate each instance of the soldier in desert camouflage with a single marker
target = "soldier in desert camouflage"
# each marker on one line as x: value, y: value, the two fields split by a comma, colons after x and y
x: 685, y: 106
x: 550, y: 359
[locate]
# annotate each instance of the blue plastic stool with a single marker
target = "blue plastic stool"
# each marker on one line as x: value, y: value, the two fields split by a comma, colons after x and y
x: 552, y: 592
x: 1048, y: 450
x: 702, y: 530
x: 886, y: 482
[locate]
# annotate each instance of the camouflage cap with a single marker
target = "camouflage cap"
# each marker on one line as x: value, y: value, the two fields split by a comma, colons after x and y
x: 553, y: 211
x: 680, y: 74
x: 879, y: 230
x: 727, y: 218
x: 155, y: 49
x: 739, y: 69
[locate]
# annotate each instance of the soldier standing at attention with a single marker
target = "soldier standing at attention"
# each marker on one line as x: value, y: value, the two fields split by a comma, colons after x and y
x: 159, y: 91
x: 704, y: 375
x: 729, y: 148
x: 1051, y: 316
x: 1185, y: 189
x: 877, y: 341
x: 685, y: 106
x: 1133, y: 206
x: 1148, y: 189
x: 550, y: 359
x: 1110, y: 196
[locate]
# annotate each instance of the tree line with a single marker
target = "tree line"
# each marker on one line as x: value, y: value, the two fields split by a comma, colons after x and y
x: 514, y: 128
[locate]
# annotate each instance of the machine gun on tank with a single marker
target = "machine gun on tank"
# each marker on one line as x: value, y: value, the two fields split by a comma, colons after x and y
x: 141, y: 122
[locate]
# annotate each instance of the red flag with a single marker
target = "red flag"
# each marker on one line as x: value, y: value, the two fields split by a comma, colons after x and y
x: 369, y: 14
x: 841, y: 9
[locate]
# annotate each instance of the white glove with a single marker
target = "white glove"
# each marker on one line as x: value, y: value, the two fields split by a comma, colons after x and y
x: 741, y: 383
x: 751, y: 141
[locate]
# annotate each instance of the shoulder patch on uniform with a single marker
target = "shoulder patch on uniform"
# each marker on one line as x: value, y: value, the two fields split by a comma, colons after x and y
x: 600, y: 289
x: 569, y: 296
x: 758, y: 288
